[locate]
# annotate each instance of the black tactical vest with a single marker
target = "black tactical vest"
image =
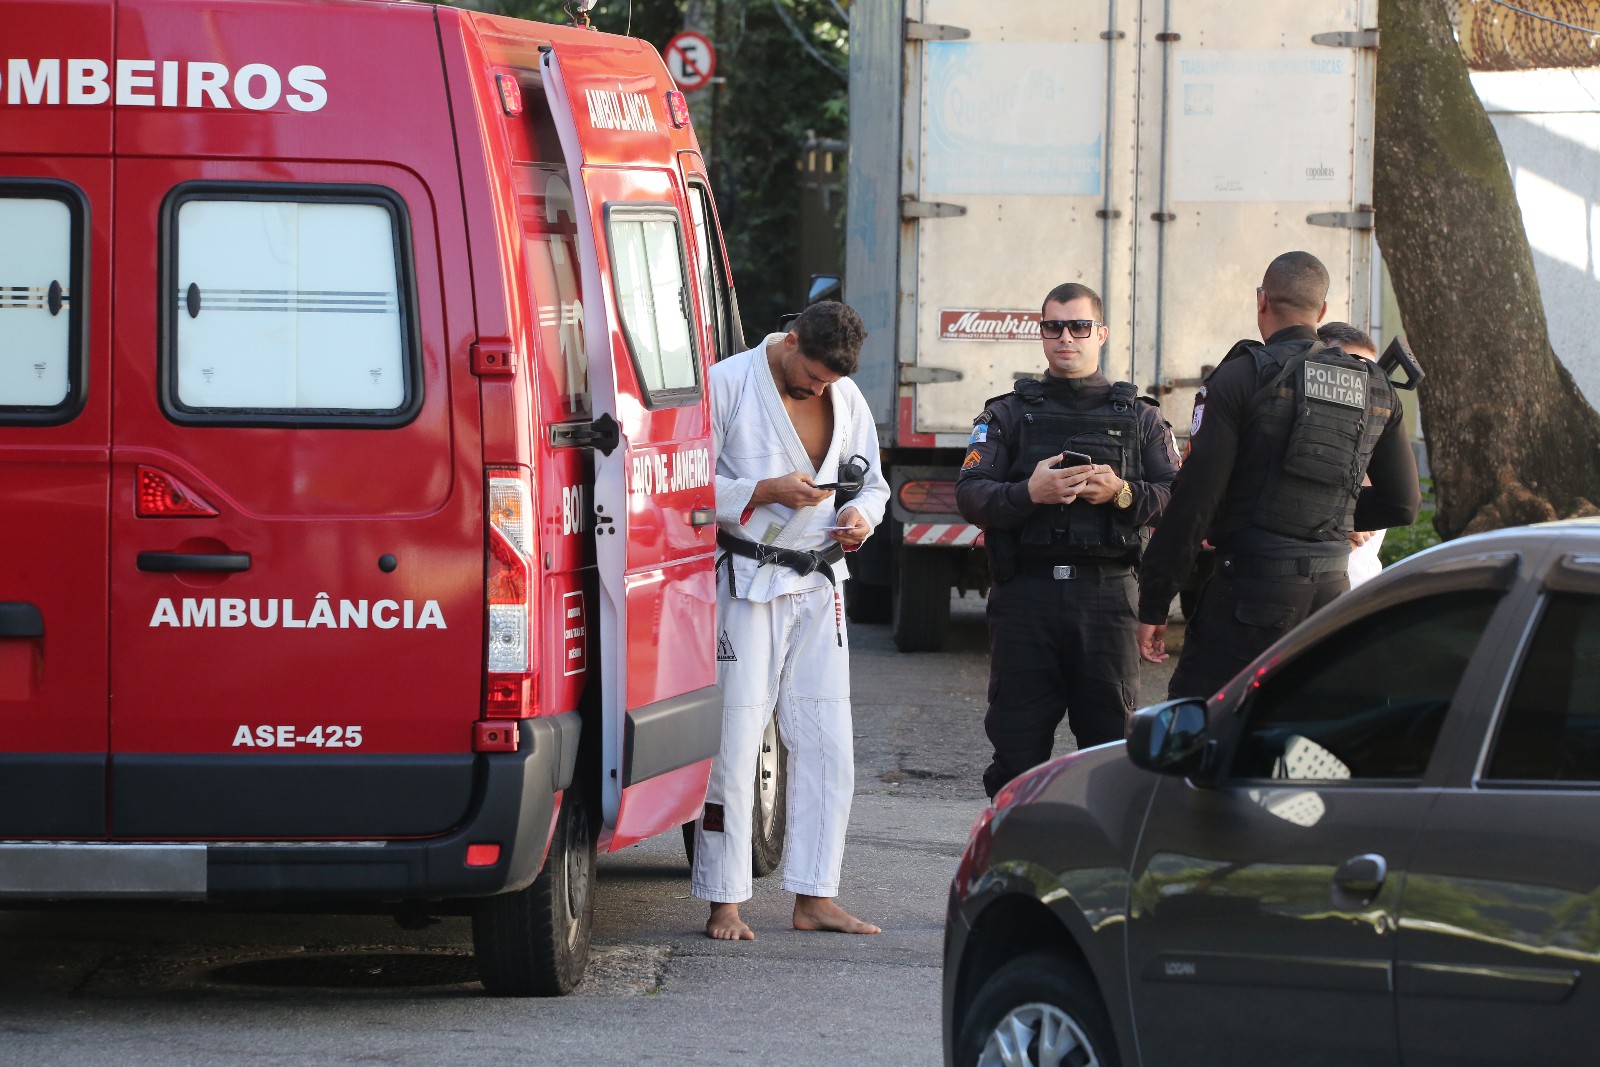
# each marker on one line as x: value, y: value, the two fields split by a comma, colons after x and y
x: 1321, y: 413
x: 1109, y: 435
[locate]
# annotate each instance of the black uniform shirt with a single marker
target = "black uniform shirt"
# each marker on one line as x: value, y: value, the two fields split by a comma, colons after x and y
x: 1391, y: 500
x: 987, y: 499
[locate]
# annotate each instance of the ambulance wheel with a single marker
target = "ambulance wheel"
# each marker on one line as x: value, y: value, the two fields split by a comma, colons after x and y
x: 770, y: 817
x: 923, y: 577
x: 535, y: 942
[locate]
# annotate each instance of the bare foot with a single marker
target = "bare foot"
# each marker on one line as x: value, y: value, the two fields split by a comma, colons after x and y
x: 725, y: 924
x: 823, y: 913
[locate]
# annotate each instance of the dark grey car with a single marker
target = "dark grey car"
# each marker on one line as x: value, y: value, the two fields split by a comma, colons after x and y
x: 1380, y: 844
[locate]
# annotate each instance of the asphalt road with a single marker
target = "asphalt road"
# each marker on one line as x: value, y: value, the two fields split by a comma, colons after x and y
x: 163, y: 986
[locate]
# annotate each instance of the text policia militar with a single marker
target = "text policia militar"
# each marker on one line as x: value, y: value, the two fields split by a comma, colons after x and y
x: 167, y: 83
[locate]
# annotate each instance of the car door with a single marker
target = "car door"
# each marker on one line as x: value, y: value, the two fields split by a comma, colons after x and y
x: 1499, y: 943
x: 1264, y: 905
x: 654, y: 504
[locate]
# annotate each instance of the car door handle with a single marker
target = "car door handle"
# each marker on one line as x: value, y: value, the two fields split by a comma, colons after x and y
x: 1359, y: 879
x: 19, y: 619
x: 175, y: 562
x: 702, y: 516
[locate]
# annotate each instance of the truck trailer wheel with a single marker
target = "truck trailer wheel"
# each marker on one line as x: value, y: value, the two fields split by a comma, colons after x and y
x: 770, y: 815
x: 535, y: 942
x: 923, y: 577
x: 867, y: 603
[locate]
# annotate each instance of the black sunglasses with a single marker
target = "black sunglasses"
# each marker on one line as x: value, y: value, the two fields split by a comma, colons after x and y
x: 1079, y: 328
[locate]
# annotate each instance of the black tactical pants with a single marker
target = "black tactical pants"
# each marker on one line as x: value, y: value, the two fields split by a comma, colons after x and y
x: 1058, y: 646
x: 1242, y: 612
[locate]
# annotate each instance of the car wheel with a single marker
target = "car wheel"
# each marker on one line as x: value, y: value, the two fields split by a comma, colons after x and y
x: 1041, y: 1010
x: 534, y: 942
x: 769, y: 817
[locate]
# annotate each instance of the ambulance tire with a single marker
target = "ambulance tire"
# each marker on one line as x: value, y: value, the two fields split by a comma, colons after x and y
x: 923, y: 578
x: 770, y: 818
x: 535, y: 942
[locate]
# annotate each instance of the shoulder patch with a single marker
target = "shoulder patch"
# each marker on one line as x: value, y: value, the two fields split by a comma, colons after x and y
x: 973, y: 459
x: 980, y: 434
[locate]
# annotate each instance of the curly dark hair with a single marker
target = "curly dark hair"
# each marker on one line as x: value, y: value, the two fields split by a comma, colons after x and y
x: 830, y: 333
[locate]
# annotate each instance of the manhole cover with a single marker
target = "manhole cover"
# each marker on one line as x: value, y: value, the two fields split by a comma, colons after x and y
x: 366, y: 970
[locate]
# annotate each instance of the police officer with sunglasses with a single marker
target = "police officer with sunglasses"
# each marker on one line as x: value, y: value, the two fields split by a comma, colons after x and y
x: 1065, y: 474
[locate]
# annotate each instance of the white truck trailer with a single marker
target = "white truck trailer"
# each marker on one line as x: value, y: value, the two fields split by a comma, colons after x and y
x: 1160, y: 151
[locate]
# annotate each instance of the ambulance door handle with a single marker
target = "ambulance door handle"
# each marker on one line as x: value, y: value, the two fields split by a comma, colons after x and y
x: 177, y: 562
x: 18, y: 619
x: 702, y: 516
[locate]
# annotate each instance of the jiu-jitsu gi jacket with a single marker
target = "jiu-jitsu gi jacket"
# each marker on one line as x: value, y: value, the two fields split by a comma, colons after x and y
x: 754, y: 439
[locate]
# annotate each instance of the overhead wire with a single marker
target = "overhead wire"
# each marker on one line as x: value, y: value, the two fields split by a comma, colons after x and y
x: 1545, y: 18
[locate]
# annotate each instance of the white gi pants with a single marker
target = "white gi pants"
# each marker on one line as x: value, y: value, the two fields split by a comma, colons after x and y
x: 792, y: 653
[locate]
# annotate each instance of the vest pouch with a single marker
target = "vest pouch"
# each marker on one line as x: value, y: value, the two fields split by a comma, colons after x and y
x: 1324, y: 450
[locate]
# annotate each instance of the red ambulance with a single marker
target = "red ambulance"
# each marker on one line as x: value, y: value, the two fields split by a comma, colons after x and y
x: 355, y: 461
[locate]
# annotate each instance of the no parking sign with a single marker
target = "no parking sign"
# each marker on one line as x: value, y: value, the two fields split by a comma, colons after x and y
x: 691, y: 60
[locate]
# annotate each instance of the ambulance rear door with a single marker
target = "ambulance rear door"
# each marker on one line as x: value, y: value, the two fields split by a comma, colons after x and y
x: 654, y: 501
x: 297, y: 557
x: 55, y: 418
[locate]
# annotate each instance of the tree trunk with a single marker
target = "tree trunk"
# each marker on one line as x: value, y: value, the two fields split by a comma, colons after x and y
x: 1510, y: 438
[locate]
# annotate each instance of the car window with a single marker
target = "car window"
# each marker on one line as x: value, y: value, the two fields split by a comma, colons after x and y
x: 1550, y: 729
x: 1368, y: 701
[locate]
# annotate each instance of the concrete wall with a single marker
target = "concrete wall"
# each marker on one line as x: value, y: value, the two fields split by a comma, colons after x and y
x: 1548, y: 122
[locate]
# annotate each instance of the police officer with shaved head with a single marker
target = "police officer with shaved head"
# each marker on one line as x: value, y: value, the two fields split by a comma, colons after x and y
x: 1284, y: 432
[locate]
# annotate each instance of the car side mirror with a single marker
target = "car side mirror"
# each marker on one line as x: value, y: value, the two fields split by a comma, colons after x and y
x: 824, y: 287
x: 1169, y: 738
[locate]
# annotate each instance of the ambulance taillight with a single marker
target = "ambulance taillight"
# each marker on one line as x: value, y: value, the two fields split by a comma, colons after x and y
x: 508, y: 588
x: 161, y: 496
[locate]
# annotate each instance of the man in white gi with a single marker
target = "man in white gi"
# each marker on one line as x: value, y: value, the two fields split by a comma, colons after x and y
x: 787, y: 418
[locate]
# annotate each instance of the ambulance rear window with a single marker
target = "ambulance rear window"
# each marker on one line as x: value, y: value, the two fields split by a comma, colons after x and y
x: 288, y: 307
x: 652, y: 290
x: 41, y: 301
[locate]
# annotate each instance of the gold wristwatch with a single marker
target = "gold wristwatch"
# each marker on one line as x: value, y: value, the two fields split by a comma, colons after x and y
x: 1124, y: 497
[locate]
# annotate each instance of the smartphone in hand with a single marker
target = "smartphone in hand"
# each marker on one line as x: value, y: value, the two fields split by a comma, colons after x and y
x: 1069, y: 458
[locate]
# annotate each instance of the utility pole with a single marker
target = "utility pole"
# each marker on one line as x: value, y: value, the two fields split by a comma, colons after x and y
x: 705, y: 16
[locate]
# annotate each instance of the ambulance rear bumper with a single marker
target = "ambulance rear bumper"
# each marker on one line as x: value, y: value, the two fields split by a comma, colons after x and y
x: 514, y: 805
